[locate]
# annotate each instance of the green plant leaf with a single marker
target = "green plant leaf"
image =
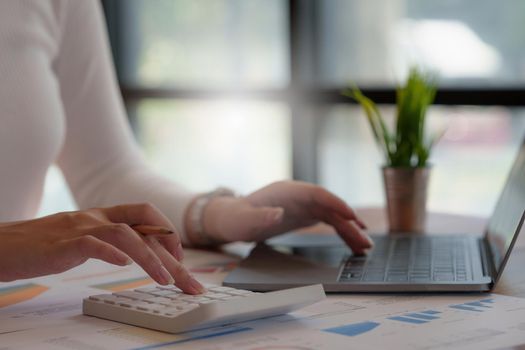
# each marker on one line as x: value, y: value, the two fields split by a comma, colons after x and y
x: 407, y: 146
x: 379, y: 129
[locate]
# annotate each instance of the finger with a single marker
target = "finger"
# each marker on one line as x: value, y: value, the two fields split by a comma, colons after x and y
x: 130, y: 242
x: 360, y: 222
x: 329, y: 201
x: 183, y: 279
x: 252, y: 222
x: 69, y: 253
x: 169, y: 238
x: 137, y: 214
x: 151, y: 230
x: 146, y: 214
x: 92, y: 247
x: 351, y: 233
x: 173, y: 245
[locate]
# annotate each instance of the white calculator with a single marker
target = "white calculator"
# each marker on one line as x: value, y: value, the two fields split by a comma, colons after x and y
x: 167, y: 309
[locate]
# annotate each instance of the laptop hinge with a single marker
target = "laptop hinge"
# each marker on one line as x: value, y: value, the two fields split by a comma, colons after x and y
x: 486, y: 258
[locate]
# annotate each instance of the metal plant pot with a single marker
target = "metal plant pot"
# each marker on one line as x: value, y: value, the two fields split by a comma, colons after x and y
x: 406, y: 198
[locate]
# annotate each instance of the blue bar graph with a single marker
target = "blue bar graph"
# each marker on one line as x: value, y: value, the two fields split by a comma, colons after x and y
x: 479, y: 304
x: 353, y: 329
x: 422, y: 316
x: 407, y: 320
x: 465, y: 308
x: 412, y: 318
x: 430, y: 312
x: 475, y: 306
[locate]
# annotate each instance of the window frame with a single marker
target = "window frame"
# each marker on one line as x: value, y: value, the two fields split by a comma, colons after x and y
x: 302, y: 98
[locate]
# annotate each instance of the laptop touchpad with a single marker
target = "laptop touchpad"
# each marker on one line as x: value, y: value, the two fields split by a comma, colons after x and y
x: 324, y: 249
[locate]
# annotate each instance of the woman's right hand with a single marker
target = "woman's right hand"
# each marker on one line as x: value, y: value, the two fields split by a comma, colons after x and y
x: 59, y: 242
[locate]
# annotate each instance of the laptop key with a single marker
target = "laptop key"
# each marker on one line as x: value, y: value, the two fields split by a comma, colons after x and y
x: 444, y: 277
x: 397, y: 278
x: 420, y: 280
x: 374, y: 278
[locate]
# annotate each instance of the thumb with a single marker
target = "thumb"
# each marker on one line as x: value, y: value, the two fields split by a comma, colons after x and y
x: 256, y: 220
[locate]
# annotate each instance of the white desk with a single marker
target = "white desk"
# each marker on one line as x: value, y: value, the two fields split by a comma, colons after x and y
x: 50, y: 317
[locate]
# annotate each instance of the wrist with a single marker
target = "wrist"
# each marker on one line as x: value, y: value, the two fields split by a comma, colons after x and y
x: 199, y: 229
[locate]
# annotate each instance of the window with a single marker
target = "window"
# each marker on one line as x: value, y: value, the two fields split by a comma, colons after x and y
x: 203, y: 56
x: 244, y: 92
x: 203, y: 144
x: 206, y: 44
x: 470, y: 43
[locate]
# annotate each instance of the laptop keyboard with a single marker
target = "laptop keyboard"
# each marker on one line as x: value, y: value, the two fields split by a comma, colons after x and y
x: 411, y: 259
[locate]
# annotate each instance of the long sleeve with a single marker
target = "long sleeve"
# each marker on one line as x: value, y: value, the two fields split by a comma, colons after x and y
x: 100, y: 160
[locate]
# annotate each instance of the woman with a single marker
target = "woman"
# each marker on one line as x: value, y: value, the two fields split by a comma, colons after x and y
x: 59, y: 102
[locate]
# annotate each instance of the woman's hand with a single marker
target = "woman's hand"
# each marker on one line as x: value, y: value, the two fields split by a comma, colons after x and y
x: 281, y: 207
x: 59, y: 242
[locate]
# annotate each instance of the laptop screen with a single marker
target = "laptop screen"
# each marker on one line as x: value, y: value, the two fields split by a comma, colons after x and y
x: 508, y: 214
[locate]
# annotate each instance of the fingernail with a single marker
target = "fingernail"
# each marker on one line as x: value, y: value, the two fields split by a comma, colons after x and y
x: 164, y: 276
x: 123, y: 259
x: 196, y: 286
x: 368, y: 239
x: 274, y: 217
x: 179, y: 253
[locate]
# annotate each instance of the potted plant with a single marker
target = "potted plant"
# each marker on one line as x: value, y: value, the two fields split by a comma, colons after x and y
x: 406, y: 149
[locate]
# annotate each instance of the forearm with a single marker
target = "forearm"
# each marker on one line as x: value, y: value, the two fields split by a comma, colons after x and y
x: 100, y: 158
x: 133, y: 182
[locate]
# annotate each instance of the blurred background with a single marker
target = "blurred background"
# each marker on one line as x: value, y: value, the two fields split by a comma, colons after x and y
x: 245, y: 92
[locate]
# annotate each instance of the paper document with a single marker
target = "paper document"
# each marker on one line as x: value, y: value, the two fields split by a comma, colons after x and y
x: 46, y: 313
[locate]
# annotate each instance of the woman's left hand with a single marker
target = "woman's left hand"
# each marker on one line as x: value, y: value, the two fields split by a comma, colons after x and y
x: 281, y: 207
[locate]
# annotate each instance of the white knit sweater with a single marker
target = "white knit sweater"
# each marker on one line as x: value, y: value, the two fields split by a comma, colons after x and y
x: 60, y: 103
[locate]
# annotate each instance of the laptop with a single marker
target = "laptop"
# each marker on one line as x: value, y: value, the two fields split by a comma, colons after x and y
x: 398, y: 262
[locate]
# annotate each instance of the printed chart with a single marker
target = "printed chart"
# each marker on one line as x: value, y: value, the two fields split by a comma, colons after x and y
x: 410, y: 322
x: 198, y: 335
x: 128, y: 283
x: 353, y: 329
x: 417, y: 317
x: 412, y: 318
x: 16, y: 294
x: 475, y: 306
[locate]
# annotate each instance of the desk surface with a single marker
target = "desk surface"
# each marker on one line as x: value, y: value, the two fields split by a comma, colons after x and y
x: 46, y: 312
